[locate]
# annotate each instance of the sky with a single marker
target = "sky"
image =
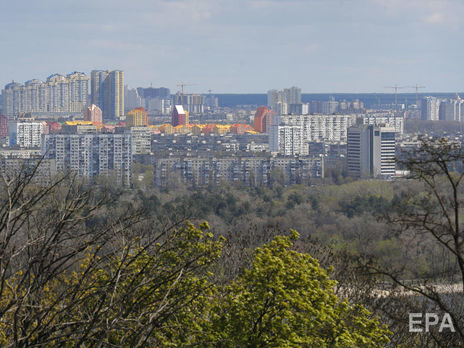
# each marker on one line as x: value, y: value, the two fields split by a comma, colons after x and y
x: 240, y: 46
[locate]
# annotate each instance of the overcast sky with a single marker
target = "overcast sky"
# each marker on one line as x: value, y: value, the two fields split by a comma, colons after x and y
x: 240, y: 46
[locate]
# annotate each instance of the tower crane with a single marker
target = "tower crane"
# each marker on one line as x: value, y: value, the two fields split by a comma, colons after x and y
x: 417, y: 92
x: 182, y: 85
x: 396, y: 88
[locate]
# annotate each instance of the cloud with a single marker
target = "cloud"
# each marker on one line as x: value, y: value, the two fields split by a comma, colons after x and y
x: 435, y: 18
x: 433, y: 12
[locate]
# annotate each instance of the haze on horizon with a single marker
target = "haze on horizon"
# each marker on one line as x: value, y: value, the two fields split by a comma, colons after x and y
x: 240, y: 46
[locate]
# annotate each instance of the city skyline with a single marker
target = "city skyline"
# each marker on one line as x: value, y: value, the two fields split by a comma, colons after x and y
x: 242, y: 47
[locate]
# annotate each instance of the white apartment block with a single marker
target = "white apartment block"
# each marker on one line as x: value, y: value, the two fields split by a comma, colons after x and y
x: 89, y: 155
x: 396, y: 122
x: 279, y: 101
x: 292, y: 133
x: 288, y: 140
x: 141, y: 140
x: 452, y: 109
x: 25, y: 134
x: 430, y: 108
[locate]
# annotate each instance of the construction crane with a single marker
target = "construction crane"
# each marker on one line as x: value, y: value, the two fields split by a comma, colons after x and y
x: 417, y: 92
x: 396, y: 88
x: 182, y: 85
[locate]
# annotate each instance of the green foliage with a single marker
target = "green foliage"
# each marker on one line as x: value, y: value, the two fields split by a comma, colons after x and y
x: 361, y: 204
x: 144, y: 295
x: 163, y: 296
x: 286, y: 300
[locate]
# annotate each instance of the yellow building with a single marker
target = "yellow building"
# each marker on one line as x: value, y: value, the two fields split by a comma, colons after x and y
x: 196, y: 130
x: 137, y: 117
x: 182, y: 129
x: 220, y: 129
x: 166, y: 129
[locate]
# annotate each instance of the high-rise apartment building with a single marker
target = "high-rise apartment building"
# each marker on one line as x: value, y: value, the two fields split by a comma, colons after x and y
x: 279, y: 101
x: 192, y: 103
x: 302, y: 129
x: 3, y: 126
x: 150, y: 92
x: 156, y: 101
x: 263, y: 119
x: 141, y: 140
x: 292, y: 95
x: 137, y: 117
x: 430, y: 109
x: 274, y: 97
x: 90, y: 155
x: 107, y: 92
x: 371, y: 151
x: 58, y: 94
x: 93, y: 114
x: 288, y: 140
x: 329, y: 107
x: 159, y: 106
x: 132, y: 99
x: 452, y: 109
x: 26, y: 134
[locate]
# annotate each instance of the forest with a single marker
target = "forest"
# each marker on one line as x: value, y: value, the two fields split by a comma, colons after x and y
x: 340, y: 264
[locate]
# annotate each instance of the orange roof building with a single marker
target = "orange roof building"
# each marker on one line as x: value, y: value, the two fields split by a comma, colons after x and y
x: 240, y: 128
x: 137, y: 117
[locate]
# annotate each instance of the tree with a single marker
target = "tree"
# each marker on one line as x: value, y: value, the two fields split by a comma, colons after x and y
x: 81, y: 268
x: 435, y: 214
x: 285, y: 299
x: 77, y: 269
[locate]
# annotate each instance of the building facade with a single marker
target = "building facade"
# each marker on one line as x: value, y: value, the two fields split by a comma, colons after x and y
x: 91, y: 155
x: 392, y: 121
x: 290, y: 134
x: 279, y: 101
x: 58, y: 94
x: 137, y: 117
x: 132, y: 99
x: 93, y: 114
x: 252, y: 171
x: 192, y: 103
x: 3, y: 126
x: 141, y: 140
x: 22, y: 165
x: 26, y: 134
x: 371, y: 151
x: 107, y: 92
x: 288, y: 140
x: 452, y: 109
x: 179, y: 116
x: 430, y: 109
x: 262, y: 119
